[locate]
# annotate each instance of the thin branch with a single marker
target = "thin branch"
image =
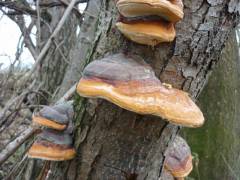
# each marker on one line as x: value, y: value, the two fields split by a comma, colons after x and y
x: 60, y: 51
x: 68, y: 95
x: 49, y: 41
x: 16, y: 167
x: 15, y: 100
x: 18, y: 7
x: 38, y: 27
x: 19, y: 20
x: 13, y: 146
x: 28, y: 40
x: 66, y: 3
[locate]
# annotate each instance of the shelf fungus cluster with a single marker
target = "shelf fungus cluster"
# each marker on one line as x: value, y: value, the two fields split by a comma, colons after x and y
x: 149, y: 22
x: 129, y: 82
x: 178, y: 159
x: 54, y: 142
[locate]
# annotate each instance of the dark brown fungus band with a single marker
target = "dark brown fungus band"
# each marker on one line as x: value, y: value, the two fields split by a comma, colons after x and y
x: 130, y: 83
x: 52, y: 145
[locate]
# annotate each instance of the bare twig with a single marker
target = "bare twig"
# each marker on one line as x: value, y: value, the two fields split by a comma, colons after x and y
x: 9, y: 105
x: 38, y: 27
x: 19, y: 20
x: 18, y: 6
x: 11, y: 102
x: 16, y: 167
x: 79, y: 15
x: 68, y: 95
x: 13, y: 146
x: 49, y: 41
x: 60, y: 51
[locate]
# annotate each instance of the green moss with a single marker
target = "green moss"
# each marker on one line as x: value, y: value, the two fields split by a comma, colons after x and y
x: 217, y: 143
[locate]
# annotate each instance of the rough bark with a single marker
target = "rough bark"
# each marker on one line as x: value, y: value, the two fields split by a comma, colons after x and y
x: 113, y: 143
x: 216, y: 144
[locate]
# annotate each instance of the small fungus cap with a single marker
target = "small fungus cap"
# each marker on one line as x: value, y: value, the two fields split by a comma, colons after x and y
x: 170, y: 10
x: 178, y: 158
x: 52, y: 145
x: 56, y: 117
x: 130, y: 83
x: 148, y: 32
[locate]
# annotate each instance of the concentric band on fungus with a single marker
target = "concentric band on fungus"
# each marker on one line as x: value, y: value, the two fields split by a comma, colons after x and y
x: 184, y: 168
x: 49, y: 151
x: 172, y: 104
x: 148, y: 32
x: 48, y: 123
x: 129, y: 82
x: 169, y: 10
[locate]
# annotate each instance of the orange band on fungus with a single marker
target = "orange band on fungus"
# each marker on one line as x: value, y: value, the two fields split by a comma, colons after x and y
x: 48, y: 123
x: 170, y: 10
x: 132, y: 85
x: 50, y: 151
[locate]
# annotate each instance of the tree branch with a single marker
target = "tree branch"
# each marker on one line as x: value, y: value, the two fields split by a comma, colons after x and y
x: 18, y: 7
x: 15, y: 144
x: 19, y: 20
x: 49, y: 42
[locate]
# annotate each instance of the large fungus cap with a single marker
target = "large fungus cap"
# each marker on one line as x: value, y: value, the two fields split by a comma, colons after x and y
x: 150, y: 32
x: 53, y: 146
x: 55, y: 117
x: 178, y: 158
x: 131, y: 84
x: 170, y: 10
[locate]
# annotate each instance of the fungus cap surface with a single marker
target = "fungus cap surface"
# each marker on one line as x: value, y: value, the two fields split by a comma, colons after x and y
x: 170, y: 10
x: 55, y: 117
x: 148, y: 33
x: 130, y: 83
x: 42, y: 149
x: 178, y: 158
x: 56, y: 137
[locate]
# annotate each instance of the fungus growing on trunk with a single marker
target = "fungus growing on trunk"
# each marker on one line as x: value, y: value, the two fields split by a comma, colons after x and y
x: 130, y: 83
x: 170, y: 10
x: 150, y: 31
x: 52, y: 145
x: 55, y: 117
x: 178, y: 159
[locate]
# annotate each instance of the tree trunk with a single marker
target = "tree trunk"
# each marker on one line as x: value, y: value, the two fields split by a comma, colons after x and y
x: 52, y: 70
x: 216, y: 144
x: 113, y: 143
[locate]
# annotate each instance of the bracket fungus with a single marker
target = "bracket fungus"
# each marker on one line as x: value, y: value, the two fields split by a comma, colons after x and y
x: 52, y: 145
x: 178, y: 159
x: 55, y: 117
x: 170, y: 10
x: 130, y: 83
x: 148, y: 32
x: 149, y: 22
